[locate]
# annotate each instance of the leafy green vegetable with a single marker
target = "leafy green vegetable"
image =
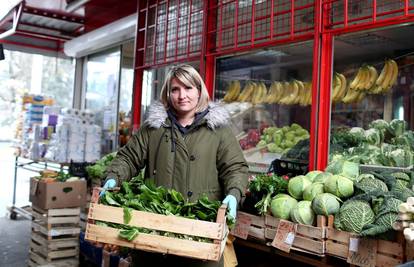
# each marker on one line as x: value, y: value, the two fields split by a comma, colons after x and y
x: 127, y: 215
x: 129, y: 234
x: 281, y: 206
x: 302, y: 213
x: 339, y: 186
x: 353, y: 216
x: 266, y: 185
x: 325, y: 204
x: 297, y: 185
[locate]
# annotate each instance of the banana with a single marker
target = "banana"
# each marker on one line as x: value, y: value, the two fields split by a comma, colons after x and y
x: 246, y: 93
x: 350, y: 96
x: 362, y: 85
x: 394, y: 76
x: 294, y: 94
x: 308, y: 86
x: 383, y: 74
x: 256, y: 94
x: 357, y: 79
x: 373, y: 75
x: 264, y: 93
x: 278, y: 92
x: 390, y: 73
x: 359, y: 97
x: 342, y: 90
x: 233, y: 91
x: 285, y: 87
x: 336, y: 86
x: 300, y: 97
x: 270, y: 93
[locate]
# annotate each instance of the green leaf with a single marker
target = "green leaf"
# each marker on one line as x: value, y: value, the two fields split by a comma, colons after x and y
x: 129, y: 235
x: 110, y: 199
x: 127, y: 215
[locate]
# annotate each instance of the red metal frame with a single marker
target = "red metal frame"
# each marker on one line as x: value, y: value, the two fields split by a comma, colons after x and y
x: 248, y: 35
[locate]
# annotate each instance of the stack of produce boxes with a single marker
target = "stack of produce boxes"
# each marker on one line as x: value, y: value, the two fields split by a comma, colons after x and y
x: 56, y: 200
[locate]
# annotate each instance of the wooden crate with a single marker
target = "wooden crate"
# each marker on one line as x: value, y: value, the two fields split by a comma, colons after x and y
x: 217, y: 231
x: 257, y: 227
x: 388, y: 253
x: 56, y: 223
x: 37, y: 259
x: 309, y: 239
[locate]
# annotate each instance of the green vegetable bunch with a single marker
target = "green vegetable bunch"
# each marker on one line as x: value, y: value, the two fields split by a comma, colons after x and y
x: 267, y: 185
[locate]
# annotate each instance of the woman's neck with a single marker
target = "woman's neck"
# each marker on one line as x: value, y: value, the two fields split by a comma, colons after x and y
x: 186, y: 119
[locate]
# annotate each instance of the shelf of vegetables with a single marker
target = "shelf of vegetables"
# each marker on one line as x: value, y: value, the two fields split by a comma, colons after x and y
x: 354, y: 202
x: 145, y: 217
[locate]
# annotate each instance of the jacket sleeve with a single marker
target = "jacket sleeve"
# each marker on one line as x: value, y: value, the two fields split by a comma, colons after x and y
x: 131, y: 158
x: 231, y: 165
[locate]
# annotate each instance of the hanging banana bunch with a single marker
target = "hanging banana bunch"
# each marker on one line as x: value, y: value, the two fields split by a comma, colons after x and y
x: 233, y: 91
x: 387, y: 78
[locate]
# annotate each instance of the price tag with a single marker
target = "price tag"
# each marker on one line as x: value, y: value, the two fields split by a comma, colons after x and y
x: 353, y: 244
x: 285, y: 235
x: 362, y: 252
x: 242, y: 227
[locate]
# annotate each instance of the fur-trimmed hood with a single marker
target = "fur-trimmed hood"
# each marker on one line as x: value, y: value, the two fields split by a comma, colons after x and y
x: 216, y: 117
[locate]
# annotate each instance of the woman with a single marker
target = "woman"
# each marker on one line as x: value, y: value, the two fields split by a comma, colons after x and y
x: 185, y: 144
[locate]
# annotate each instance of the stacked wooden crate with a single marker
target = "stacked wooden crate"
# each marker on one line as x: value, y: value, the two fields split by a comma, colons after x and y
x: 55, y: 237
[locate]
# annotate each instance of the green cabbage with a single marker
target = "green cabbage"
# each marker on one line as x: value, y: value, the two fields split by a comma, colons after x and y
x: 381, y: 125
x: 354, y: 215
x: 312, y: 174
x: 368, y: 183
x: 325, y: 204
x: 302, y: 213
x: 297, y: 185
x: 321, y: 178
x: 281, y: 206
x: 345, y: 168
x: 373, y: 136
x: 339, y: 186
x: 358, y: 134
x: 397, y: 127
x: 312, y: 191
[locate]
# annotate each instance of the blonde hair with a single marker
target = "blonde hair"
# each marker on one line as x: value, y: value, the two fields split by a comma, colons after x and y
x: 189, y: 77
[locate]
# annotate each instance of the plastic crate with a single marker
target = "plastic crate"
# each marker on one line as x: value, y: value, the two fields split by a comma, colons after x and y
x: 79, y: 169
x: 289, y: 167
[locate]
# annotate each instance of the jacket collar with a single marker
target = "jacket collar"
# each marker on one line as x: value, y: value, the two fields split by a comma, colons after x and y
x: 216, y: 117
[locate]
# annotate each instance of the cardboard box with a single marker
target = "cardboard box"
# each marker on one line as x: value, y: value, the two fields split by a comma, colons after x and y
x: 58, y: 194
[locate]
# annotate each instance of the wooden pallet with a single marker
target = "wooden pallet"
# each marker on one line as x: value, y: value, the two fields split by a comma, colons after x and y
x: 216, y: 231
x: 56, y: 223
x: 36, y: 259
x: 388, y: 253
x: 309, y: 239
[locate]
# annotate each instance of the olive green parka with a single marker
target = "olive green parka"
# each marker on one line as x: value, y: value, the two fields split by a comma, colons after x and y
x: 206, y: 160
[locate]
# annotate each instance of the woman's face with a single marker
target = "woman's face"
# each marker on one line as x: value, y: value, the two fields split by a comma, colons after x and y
x: 184, y: 98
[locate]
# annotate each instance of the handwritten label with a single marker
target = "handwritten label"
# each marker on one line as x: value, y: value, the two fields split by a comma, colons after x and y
x: 243, y: 223
x: 285, y: 235
x: 363, y: 252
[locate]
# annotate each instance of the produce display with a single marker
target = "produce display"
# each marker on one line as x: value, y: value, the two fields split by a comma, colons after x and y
x: 50, y: 176
x: 363, y: 203
x: 366, y: 81
x: 143, y: 195
x: 386, y: 144
x: 98, y: 170
x: 405, y: 220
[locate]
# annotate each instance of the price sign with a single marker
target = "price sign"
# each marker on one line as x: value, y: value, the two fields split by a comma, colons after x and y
x: 243, y: 223
x: 362, y: 252
x: 285, y: 235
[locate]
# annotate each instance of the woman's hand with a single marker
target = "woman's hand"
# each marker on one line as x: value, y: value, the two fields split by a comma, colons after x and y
x: 231, y: 205
x: 110, y: 183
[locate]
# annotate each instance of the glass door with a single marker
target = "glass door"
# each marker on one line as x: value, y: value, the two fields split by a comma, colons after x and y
x: 102, y: 87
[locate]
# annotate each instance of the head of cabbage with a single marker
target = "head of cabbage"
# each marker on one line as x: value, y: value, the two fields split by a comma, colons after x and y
x: 312, y: 191
x: 340, y: 186
x: 302, y: 213
x: 325, y: 204
x: 281, y: 206
x: 321, y: 178
x: 297, y: 185
x: 312, y: 175
x: 354, y: 215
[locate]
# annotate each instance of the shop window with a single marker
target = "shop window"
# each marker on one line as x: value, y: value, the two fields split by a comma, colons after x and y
x: 372, y: 104
x: 268, y: 94
x: 23, y: 73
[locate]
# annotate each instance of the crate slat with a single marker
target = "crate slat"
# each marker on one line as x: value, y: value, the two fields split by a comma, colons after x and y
x: 57, y: 212
x: 386, y: 261
x: 156, y: 243
x: 56, y: 231
x: 336, y: 249
x: 159, y: 222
